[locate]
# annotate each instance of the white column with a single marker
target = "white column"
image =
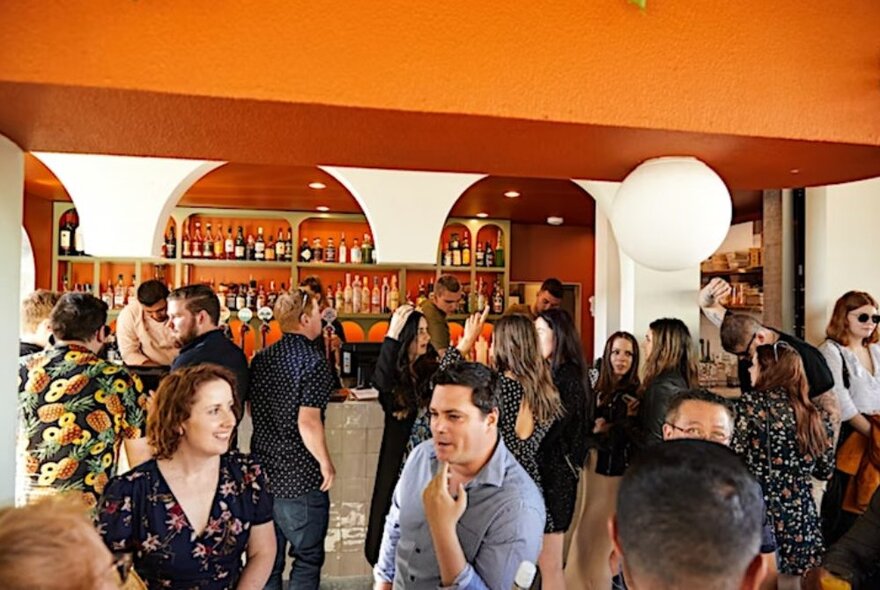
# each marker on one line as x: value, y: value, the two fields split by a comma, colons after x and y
x: 841, y: 253
x: 11, y: 193
x: 406, y: 209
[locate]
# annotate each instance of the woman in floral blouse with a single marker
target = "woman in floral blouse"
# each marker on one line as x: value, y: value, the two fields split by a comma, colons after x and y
x: 190, y: 514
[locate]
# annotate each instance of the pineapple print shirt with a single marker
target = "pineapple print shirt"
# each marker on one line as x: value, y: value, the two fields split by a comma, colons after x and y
x: 74, y: 410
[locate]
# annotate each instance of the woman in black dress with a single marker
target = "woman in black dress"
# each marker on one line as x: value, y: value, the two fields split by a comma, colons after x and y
x: 402, y: 375
x: 563, y: 450
x: 615, y: 385
x: 785, y: 440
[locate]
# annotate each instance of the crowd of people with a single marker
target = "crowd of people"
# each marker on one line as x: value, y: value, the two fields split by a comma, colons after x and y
x: 618, y: 473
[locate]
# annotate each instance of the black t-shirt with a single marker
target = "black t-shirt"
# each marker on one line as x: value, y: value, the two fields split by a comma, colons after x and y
x: 816, y: 369
x: 214, y: 347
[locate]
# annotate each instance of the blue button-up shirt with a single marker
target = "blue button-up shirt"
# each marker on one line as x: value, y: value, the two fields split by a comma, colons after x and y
x: 502, y: 526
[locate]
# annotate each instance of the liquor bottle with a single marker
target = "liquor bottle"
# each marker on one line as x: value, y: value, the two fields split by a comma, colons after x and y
x: 423, y: 294
x: 185, y: 246
x: 170, y: 244
x: 343, y: 250
x: 376, y: 297
x: 288, y: 247
x: 355, y: 252
x: 250, y: 300
x: 250, y: 248
x: 270, y: 249
x: 466, y: 250
x: 131, y: 294
x: 339, y: 297
x: 230, y: 296
x: 490, y: 255
x: 330, y: 252
x: 241, y: 297
x: 260, y: 246
x: 356, y: 295
x: 498, y: 298
x: 348, y: 295
x: 317, y: 250
x: 65, y: 237
x: 219, y: 244
x: 331, y: 302
x: 393, y: 295
x: 239, y: 244
x: 383, y: 301
x: 447, y: 253
x: 229, y: 245
x: 272, y: 295
x: 280, y: 247
x: 261, y: 297
x: 367, y: 250
x: 119, y: 294
x: 305, y: 253
x: 365, y: 295
x: 479, y: 255
x: 196, y: 245
x: 79, y: 247
x: 208, y: 244
x: 481, y: 296
x: 455, y: 248
x: 499, y: 251
x: 107, y: 295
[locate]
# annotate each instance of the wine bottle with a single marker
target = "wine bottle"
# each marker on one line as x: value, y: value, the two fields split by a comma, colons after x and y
x: 219, y: 244
x: 208, y: 244
x: 280, y: 247
x: 348, y: 295
x: 357, y: 295
x: 196, y: 245
x: 499, y: 251
x: 376, y: 297
x: 229, y: 245
x: 355, y: 252
x: 343, y: 250
x: 259, y: 246
x: 330, y: 252
x: 466, y: 250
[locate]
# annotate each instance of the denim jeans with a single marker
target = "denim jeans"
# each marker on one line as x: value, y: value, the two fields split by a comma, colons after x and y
x: 300, y: 523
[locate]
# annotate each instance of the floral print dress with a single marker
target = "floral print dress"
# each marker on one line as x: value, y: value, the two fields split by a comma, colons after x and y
x: 139, y: 514
x: 765, y: 436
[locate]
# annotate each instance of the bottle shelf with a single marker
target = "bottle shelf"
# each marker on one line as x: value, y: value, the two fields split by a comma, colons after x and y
x: 499, y: 269
x: 242, y: 263
x: 352, y: 267
x: 757, y: 308
x: 87, y: 259
x: 733, y: 272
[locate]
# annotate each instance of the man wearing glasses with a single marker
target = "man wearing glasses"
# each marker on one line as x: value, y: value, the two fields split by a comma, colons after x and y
x: 700, y: 414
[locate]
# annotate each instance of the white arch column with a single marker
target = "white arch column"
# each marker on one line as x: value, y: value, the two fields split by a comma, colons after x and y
x: 406, y: 209
x: 11, y: 208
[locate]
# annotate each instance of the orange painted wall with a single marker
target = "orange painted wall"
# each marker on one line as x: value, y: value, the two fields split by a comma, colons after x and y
x: 567, y: 253
x: 747, y: 67
x: 37, y: 223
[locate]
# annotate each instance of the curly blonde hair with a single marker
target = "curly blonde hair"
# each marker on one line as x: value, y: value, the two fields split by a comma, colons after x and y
x: 174, y: 402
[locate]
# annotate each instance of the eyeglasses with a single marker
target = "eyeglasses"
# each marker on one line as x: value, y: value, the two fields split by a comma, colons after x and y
x: 864, y: 318
x: 747, y: 350
x: 776, y: 346
x: 696, y: 432
x: 122, y: 565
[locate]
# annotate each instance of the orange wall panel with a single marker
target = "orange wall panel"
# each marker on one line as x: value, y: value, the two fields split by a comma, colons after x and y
x: 567, y: 253
x: 38, y: 225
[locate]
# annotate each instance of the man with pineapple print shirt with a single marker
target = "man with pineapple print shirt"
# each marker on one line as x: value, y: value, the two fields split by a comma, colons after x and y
x: 75, y: 408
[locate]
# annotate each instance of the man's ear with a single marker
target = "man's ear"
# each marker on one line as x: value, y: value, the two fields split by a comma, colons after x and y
x: 492, y: 418
x: 754, y: 574
x: 667, y: 431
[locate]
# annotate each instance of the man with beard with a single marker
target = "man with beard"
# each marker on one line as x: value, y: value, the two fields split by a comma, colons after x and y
x: 142, y: 328
x: 194, y: 319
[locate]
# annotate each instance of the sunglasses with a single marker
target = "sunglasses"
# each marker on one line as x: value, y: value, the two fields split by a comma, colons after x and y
x: 746, y: 352
x: 863, y: 318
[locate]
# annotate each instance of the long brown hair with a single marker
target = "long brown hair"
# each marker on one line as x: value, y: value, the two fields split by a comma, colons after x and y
x: 838, y: 326
x: 672, y: 350
x: 517, y: 351
x: 782, y: 368
x: 609, y: 383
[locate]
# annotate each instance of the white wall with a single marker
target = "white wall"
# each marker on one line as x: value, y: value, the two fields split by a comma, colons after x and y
x: 841, y: 250
x: 11, y: 191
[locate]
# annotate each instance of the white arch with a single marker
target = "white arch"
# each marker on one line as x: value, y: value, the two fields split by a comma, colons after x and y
x: 28, y: 281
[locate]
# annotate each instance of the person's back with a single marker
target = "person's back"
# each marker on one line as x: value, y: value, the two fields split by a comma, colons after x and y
x: 689, y: 516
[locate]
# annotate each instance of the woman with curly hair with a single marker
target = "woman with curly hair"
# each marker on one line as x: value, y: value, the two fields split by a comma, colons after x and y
x: 191, y: 513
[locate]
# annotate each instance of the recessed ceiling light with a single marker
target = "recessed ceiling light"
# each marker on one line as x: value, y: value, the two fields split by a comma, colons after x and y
x: 555, y: 220
x: 511, y: 194
x: 322, y: 208
x: 317, y: 185
x: 482, y: 215
x: 795, y: 170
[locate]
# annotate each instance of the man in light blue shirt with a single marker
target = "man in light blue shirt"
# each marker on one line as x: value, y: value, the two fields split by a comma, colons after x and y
x: 464, y: 514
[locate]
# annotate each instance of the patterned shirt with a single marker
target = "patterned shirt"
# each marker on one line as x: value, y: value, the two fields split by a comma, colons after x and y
x: 74, y: 410
x: 139, y: 514
x: 284, y: 377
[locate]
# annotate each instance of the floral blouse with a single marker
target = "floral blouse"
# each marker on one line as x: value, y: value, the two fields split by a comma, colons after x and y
x: 139, y: 514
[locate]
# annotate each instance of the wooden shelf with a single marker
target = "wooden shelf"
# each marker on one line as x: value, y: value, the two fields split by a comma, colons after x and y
x: 756, y: 308
x: 732, y: 272
x: 88, y: 259
x: 349, y: 267
x: 500, y: 269
x: 241, y: 263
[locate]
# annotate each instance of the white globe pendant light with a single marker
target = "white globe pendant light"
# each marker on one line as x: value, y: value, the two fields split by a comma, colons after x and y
x: 671, y: 213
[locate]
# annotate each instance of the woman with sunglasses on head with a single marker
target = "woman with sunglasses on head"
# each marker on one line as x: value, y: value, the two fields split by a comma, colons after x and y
x: 853, y: 355
x: 785, y: 440
x: 193, y: 512
x: 563, y: 450
x: 403, y: 372
x: 615, y: 385
x: 670, y: 367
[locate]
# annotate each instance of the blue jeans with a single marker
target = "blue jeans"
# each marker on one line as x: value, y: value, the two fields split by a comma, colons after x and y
x: 302, y: 523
